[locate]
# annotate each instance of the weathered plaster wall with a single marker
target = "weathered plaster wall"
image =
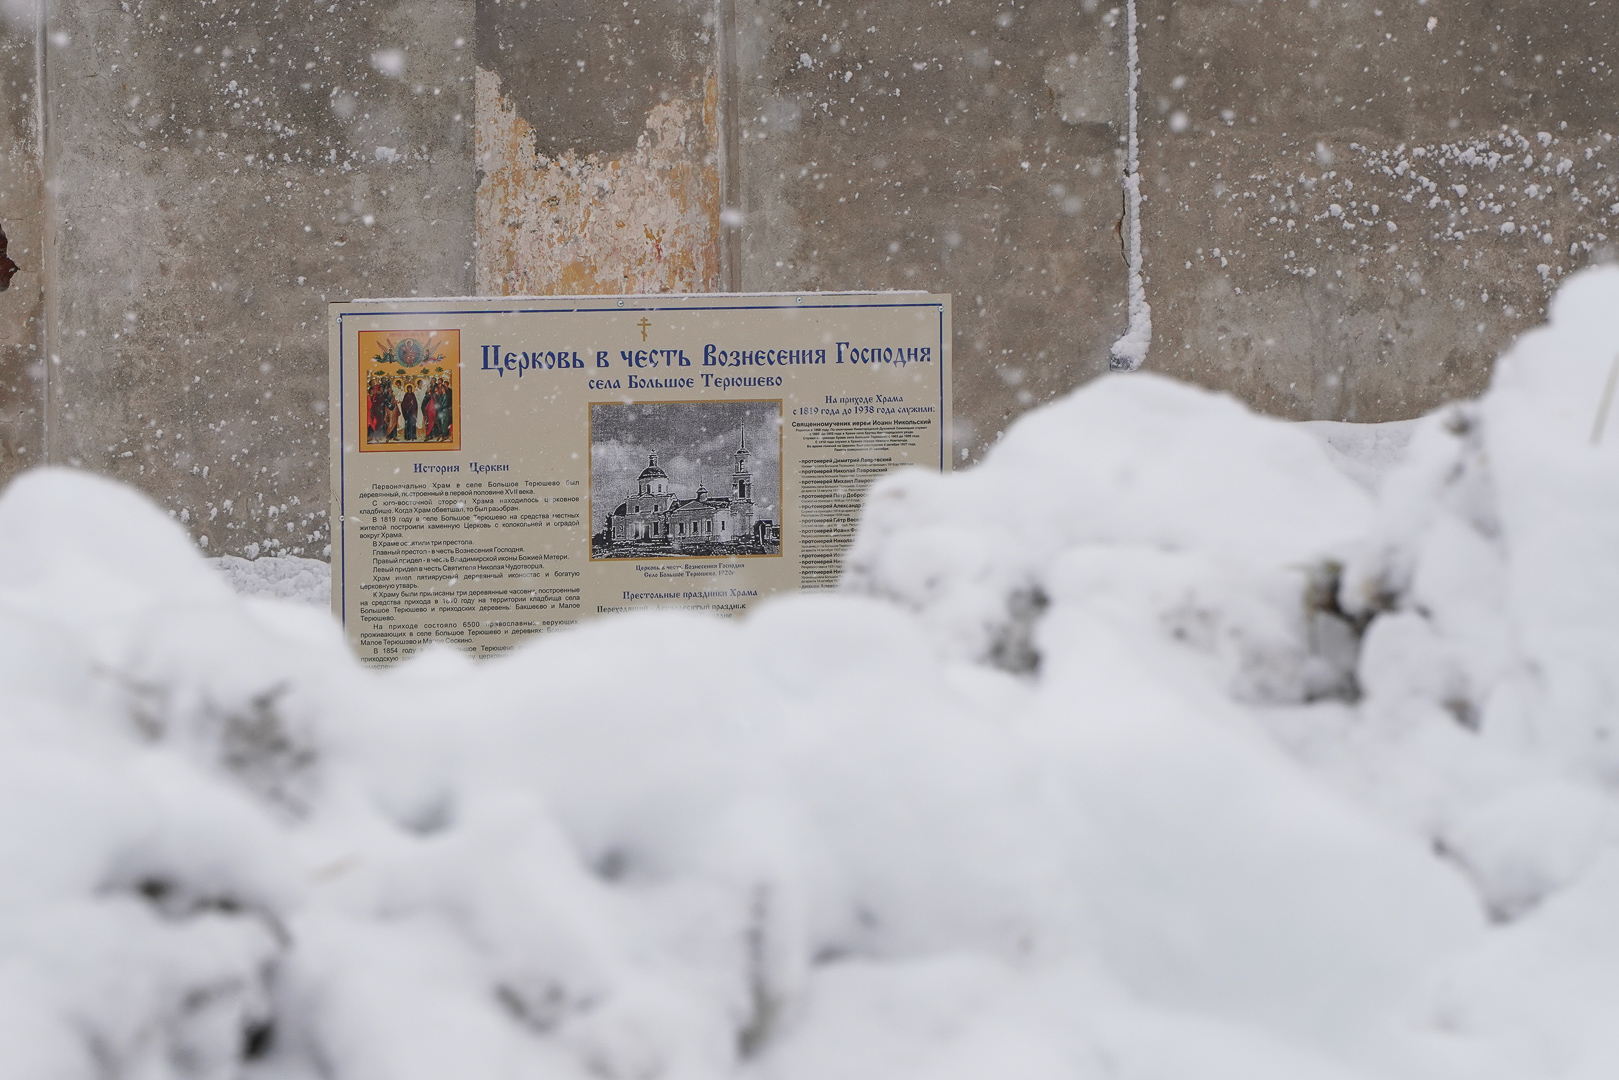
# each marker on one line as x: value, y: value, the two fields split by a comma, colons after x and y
x: 1351, y: 204
x: 220, y: 171
x: 642, y: 222
x: 22, y: 211
x: 598, y: 148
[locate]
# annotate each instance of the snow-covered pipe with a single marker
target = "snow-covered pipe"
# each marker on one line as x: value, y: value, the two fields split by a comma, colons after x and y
x: 1131, y: 350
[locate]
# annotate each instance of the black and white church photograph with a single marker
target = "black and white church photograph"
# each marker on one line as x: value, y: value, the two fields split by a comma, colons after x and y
x: 682, y: 479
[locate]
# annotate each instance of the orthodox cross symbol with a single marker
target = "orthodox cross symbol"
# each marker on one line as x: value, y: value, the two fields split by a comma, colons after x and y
x: 643, y: 324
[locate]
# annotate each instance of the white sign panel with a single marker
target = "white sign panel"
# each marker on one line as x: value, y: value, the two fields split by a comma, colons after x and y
x: 506, y: 467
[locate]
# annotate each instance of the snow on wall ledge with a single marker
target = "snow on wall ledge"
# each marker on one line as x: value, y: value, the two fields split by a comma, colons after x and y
x: 1153, y: 747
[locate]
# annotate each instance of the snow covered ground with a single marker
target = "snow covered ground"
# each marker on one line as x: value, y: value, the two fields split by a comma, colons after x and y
x: 1170, y: 742
x: 284, y: 577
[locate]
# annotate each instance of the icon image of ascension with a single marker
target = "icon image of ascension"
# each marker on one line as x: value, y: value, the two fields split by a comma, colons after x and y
x: 409, y: 385
x: 679, y: 479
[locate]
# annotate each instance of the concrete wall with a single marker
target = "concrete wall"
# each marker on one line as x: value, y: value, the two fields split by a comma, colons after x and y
x: 977, y: 148
x: 217, y: 173
x: 1351, y: 205
x: 22, y: 210
x: 1357, y: 166
x: 964, y: 148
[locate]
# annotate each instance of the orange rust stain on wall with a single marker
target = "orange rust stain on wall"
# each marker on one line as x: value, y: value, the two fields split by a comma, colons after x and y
x: 582, y: 223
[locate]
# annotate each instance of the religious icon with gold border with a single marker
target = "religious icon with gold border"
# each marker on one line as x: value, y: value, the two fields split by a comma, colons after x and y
x: 410, y: 390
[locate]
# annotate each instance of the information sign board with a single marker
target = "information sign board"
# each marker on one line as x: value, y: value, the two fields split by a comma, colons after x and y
x: 505, y: 467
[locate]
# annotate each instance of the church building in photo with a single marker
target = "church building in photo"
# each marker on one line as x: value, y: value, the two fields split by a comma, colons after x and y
x: 655, y: 514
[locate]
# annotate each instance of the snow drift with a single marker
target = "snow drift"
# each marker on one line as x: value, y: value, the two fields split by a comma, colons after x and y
x: 1156, y: 746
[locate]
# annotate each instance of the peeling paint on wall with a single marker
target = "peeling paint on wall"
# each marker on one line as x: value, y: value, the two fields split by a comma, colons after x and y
x: 585, y: 223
